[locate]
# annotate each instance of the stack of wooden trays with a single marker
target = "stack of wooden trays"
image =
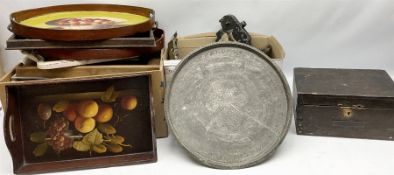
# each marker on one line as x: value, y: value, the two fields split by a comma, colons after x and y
x: 60, y: 54
x: 61, y: 113
x: 72, y: 35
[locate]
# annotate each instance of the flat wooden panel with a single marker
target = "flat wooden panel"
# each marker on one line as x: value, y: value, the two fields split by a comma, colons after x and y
x: 344, y: 82
x: 370, y: 123
x: 18, y: 43
x: 32, y: 71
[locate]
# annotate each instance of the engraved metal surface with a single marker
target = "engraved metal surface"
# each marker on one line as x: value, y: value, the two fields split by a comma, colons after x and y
x: 228, y: 105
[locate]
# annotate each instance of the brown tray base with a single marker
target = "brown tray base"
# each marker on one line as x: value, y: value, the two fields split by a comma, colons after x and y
x: 108, y: 53
x: 140, y: 40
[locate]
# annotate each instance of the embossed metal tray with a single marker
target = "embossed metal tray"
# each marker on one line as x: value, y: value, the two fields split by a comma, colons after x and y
x: 228, y: 105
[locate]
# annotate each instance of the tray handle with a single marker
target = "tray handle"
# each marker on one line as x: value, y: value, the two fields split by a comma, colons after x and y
x: 9, y: 121
x: 9, y: 27
x: 9, y: 130
x: 14, y: 144
x: 152, y: 15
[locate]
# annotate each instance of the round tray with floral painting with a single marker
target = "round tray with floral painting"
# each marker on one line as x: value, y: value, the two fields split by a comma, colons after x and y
x: 82, y: 22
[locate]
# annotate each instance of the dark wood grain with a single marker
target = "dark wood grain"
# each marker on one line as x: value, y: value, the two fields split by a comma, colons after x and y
x: 356, y: 103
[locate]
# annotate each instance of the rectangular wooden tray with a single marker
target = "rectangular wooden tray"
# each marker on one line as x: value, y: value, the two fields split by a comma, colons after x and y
x: 20, y: 43
x: 28, y: 102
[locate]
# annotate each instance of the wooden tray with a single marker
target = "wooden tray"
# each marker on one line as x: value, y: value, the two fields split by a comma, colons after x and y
x: 28, y: 102
x: 103, y: 53
x: 141, y: 40
x: 105, y: 21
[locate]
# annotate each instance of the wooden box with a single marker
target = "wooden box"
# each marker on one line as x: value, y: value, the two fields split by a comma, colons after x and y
x: 155, y: 69
x: 356, y: 103
x: 79, y: 123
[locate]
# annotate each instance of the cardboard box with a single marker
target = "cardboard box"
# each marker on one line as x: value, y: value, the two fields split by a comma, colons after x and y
x: 187, y: 44
x: 155, y: 70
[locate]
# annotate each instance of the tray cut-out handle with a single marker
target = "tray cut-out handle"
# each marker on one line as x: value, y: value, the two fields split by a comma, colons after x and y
x: 9, y: 122
x: 12, y: 132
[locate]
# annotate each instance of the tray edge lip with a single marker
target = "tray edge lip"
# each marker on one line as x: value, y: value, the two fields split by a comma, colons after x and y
x: 19, y: 29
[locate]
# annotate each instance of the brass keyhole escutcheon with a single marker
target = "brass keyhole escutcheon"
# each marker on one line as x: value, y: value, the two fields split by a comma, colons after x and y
x: 347, y: 113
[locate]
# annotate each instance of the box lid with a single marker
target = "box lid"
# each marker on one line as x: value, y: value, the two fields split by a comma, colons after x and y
x: 325, y: 86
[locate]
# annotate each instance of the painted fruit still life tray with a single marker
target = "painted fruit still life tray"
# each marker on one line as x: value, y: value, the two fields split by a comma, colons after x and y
x: 80, y: 22
x: 86, y: 125
x: 97, y: 123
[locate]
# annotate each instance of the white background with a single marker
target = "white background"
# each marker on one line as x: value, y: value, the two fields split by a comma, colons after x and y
x: 314, y: 33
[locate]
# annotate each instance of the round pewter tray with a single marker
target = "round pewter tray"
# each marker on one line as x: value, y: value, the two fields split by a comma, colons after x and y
x: 228, y: 105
